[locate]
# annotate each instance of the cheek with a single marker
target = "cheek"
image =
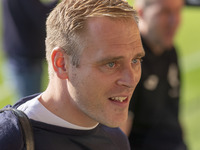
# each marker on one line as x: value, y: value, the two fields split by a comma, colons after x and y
x: 91, y: 94
x: 90, y: 84
x: 77, y: 84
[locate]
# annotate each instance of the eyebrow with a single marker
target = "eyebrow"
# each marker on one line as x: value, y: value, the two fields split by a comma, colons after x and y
x: 110, y: 59
x: 140, y: 55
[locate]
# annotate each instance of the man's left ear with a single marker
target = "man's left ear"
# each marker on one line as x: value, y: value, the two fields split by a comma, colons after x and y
x: 59, y: 63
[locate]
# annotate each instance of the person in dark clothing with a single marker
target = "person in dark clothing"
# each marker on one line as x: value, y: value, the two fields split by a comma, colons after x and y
x: 24, y: 42
x: 155, y: 102
x: 94, y: 52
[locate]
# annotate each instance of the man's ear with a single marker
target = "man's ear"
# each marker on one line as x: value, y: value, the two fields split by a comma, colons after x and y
x: 59, y: 63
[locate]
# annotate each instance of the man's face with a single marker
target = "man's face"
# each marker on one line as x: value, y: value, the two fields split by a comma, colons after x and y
x: 109, y: 71
x: 162, y: 19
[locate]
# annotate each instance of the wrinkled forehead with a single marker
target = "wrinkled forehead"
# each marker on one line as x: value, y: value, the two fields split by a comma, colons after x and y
x: 111, y: 31
x: 106, y: 24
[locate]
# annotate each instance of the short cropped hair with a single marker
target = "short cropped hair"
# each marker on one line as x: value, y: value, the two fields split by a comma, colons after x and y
x: 68, y: 20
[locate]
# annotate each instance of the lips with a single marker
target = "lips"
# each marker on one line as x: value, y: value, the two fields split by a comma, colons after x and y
x: 118, y: 99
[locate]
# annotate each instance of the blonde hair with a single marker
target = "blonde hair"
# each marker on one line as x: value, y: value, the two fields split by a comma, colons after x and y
x: 67, y: 22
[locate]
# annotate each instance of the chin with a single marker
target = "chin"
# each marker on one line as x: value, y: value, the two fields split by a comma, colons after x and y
x: 115, y: 123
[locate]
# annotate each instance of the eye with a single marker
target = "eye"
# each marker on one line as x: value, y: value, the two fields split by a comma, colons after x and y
x: 137, y: 60
x: 111, y: 64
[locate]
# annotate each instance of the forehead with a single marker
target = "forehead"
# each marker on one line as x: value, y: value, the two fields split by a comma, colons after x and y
x: 110, y: 28
x: 107, y: 36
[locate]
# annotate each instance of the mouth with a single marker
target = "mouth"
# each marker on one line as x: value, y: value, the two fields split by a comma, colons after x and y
x: 119, y: 99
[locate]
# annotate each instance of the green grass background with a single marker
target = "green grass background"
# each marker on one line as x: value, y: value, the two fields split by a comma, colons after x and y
x: 188, y: 44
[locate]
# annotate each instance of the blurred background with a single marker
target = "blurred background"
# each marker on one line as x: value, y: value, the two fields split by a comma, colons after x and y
x: 188, y: 45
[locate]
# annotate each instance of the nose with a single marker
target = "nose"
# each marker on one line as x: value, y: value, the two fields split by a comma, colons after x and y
x: 129, y: 77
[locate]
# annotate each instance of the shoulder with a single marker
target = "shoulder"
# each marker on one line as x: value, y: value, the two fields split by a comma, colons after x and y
x: 117, y: 136
x: 10, y: 133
